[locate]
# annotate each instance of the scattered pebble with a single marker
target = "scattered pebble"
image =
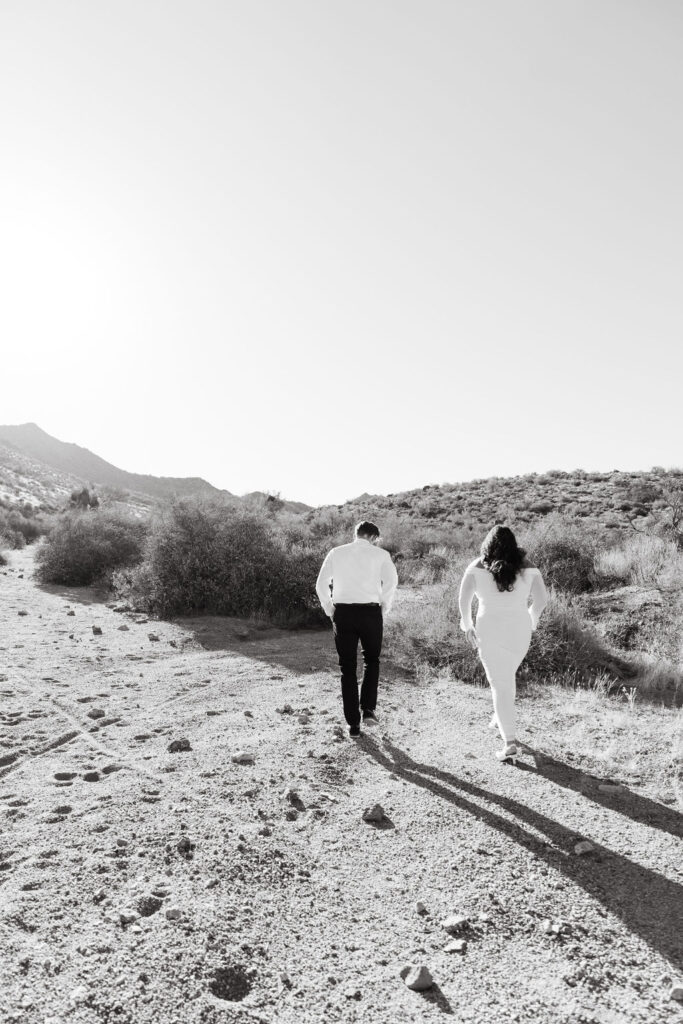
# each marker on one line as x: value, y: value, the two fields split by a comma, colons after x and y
x: 96, y: 713
x: 454, y: 923
x: 304, y: 719
x: 243, y: 757
x: 124, y: 628
x: 173, y: 913
x: 97, y: 631
x: 175, y: 746
x: 374, y: 813
x: 583, y: 847
x: 677, y: 992
x: 420, y: 908
x: 456, y: 946
x: 153, y: 637
x: 417, y: 979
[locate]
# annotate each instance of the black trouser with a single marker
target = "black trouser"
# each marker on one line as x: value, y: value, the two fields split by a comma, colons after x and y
x: 354, y: 622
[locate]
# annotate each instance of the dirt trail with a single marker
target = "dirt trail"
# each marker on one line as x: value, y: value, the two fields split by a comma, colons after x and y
x: 140, y: 885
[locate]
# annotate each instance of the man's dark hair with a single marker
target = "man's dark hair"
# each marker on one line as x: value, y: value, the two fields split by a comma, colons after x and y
x: 367, y: 529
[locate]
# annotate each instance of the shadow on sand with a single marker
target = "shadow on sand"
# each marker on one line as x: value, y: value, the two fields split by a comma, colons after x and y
x: 647, y: 903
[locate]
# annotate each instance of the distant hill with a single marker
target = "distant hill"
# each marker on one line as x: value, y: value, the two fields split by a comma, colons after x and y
x: 40, y: 469
x: 83, y: 465
x: 613, y: 499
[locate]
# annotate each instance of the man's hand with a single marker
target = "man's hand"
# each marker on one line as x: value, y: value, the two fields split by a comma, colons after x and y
x: 472, y: 639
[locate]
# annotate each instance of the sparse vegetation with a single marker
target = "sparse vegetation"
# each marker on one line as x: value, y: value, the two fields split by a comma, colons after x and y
x: 84, y: 547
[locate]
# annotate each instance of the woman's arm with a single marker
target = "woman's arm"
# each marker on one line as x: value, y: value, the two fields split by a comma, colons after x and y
x: 467, y: 588
x: 539, y: 598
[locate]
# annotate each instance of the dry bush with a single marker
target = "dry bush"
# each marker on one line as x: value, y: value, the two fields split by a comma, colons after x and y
x: 205, y: 557
x: 84, y: 547
x: 564, y: 552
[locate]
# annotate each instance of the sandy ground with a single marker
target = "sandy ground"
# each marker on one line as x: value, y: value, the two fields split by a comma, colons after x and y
x: 143, y: 885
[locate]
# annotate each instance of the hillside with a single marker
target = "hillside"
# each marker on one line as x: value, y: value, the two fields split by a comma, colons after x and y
x: 613, y: 499
x: 76, y: 463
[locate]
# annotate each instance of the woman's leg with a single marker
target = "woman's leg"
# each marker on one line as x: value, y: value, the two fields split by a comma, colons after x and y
x: 503, y: 693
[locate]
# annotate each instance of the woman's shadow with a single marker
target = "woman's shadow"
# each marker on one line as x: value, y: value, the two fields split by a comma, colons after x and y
x: 646, y: 902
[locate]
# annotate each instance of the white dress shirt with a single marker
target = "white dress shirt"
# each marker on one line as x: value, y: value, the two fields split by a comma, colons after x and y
x: 360, y: 573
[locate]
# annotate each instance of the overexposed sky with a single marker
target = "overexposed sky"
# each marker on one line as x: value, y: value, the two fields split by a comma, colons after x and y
x: 324, y: 247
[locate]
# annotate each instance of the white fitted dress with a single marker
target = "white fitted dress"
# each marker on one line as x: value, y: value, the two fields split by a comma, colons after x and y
x: 505, y: 622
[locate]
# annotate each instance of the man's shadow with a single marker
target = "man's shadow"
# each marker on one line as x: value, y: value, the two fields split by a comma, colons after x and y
x: 647, y: 903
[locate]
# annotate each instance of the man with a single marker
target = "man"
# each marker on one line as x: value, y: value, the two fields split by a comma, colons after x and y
x: 356, y: 586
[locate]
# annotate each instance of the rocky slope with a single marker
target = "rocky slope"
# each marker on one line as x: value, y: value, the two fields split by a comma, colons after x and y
x: 183, y: 839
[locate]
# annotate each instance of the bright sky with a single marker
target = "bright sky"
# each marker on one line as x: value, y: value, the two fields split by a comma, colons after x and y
x: 324, y: 247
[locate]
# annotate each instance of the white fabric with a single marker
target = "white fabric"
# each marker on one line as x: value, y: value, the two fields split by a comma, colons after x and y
x: 505, y: 621
x: 360, y: 573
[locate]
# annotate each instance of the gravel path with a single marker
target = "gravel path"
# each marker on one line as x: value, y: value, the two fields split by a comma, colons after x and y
x: 143, y: 885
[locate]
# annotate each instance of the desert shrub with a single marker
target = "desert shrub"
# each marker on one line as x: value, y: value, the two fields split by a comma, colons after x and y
x: 641, y: 559
x: 85, y: 546
x: 203, y: 557
x: 564, y: 552
x: 3, y: 560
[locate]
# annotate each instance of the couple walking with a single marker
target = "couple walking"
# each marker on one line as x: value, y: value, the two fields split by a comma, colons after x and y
x: 356, y: 587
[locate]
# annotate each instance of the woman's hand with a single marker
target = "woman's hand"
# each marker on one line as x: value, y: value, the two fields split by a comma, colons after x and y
x: 472, y: 639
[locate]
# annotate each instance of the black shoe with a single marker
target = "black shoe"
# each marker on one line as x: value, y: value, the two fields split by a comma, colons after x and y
x: 354, y: 731
x: 369, y: 718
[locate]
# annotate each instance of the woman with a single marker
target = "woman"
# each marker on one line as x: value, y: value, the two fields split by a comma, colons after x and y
x: 504, y: 584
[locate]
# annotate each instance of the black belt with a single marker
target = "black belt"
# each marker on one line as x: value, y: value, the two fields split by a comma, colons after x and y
x: 357, y: 604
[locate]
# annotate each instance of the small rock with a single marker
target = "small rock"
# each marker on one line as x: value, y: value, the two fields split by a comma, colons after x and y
x: 173, y: 913
x: 456, y: 946
x: 97, y: 631
x: 454, y: 923
x: 353, y: 993
x: 677, y: 992
x: 286, y: 709
x: 248, y: 714
x: 96, y: 713
x: 124, y: 628
x: 185, y: 846
x: 291, y: 814
x: 420, y: 908
x: 79, y: 995
x: 304, y: 719
x: 175, y: 746
x: 122, y: 842
x: 128, y: 917
x: 153, y: 637
x: 71, y: 612
x: 374, y: 813
x: 484, y: 917
x: 243, y: 757
x: 293, y: 798
x: 100, y: 895
x: 211, y: 884
x: 22, y: 613
x: 283, y: 981
x: 417, y: 979
x: 583, y: 847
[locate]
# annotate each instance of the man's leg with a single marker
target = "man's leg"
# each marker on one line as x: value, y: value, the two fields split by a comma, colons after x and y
x: 370, y: 629
x: 346, y: 642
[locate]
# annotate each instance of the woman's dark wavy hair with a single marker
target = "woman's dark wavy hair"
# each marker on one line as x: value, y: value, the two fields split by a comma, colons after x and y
x: 502, y: 556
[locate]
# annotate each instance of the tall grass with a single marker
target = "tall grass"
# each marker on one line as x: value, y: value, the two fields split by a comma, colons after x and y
x: 643, y: 560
